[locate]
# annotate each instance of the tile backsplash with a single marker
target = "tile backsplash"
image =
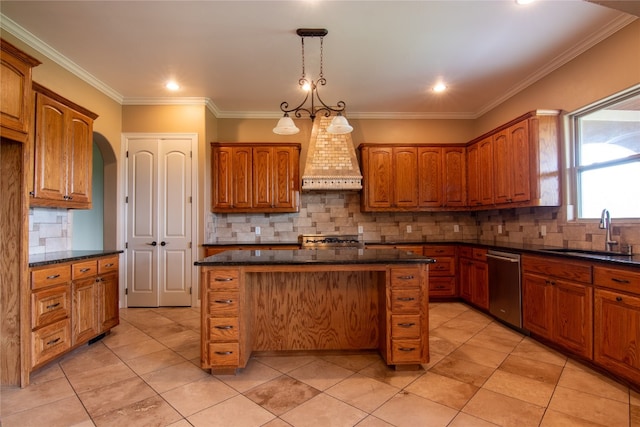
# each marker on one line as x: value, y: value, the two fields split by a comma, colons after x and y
x: 49, y: 230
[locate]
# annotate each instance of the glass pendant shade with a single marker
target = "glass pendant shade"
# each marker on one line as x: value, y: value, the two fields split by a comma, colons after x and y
x: 339, y: 125
x: 286, y: 126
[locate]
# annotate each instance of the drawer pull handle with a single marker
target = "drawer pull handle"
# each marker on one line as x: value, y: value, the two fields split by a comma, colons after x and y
x: 615, y: 279
x: 84, y: 270
x: 223, y: 301
x: 406, y: 299
x: 223, y: 279
x: 224, y: 327
x: 406, y: 325
x: 53, y: 276
x: 49, y: 307
x: 440, y: 287
x: 109, y: 265
x: 53, y: 341
x: 224, y: 353
x: 407, y: 348
x: 409, y: 277
x: 619, y: 299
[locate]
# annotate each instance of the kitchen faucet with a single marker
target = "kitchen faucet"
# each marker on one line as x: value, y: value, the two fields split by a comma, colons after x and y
x: 605, y: 224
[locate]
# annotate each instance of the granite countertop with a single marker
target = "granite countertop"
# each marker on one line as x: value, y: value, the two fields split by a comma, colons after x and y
x: 39, y: 260
x: 314, y: 256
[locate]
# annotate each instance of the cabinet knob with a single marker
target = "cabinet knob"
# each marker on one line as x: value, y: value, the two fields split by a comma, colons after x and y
x: 619, y: 299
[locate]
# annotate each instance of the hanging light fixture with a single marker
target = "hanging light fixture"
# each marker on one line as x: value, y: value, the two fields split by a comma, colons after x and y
x: 339, y: 124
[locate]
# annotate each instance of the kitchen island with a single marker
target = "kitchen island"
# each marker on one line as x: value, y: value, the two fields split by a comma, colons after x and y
x: 314, y: 299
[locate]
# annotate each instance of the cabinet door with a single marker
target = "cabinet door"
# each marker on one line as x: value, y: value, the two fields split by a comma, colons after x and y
x: 79, y: 159
x: 617, y: 333
x: 520, y: 176
x: 50, y: 169
x: 85, y: 315
x: 379, y: 177
x: 286, y: 185
x: 453, y: 160
x: 262, y: 179
x: 480, y: 285
x: 15, y: 95
x: 537, y: 304
x: 241, y: 178
x: 466, y: 274
x: 473, y: 176
x: 573, y: 316
x: 430, y: 177
x: 485, y: 169
x: 108, y: 302
x: 502, y: 168
x: 221, y: 169
x: 405, y: 177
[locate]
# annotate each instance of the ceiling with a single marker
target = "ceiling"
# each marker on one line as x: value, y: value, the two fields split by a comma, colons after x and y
x: 380, y: 57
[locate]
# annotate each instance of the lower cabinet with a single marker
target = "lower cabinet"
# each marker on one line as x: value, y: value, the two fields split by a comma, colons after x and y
x: 474, y: 276
x: 71, y: 303
x: 442, y: 274
x: 557, y: 302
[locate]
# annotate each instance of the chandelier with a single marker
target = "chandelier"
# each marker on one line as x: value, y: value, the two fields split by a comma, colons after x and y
x: 339, y: 124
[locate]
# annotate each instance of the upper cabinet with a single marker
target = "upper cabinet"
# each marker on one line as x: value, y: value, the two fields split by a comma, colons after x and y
x: 63, y: 152
x: 255, y: 177
x: 16, y: 108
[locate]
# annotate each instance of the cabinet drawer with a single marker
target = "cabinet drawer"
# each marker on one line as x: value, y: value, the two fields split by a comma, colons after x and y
x: 617, y: 278
x: 558, y: 267
x: 84, y: 269
x: 442, y: 286
x: 480, y: 254
x: 224, y: 354
x: 223, y: 328
x: 223, y: 303
x: 223, y: 279
x: 50, y: 341
x: 405, y: 301
x: 444, y: 266
x: 438, y: 251
x: 465, y: 252
x: 405, y: 278
x: 50, y: 305
x: 406, y: 351
x: 50, y: 276
x: 405, y: 326
x: 108, y: 265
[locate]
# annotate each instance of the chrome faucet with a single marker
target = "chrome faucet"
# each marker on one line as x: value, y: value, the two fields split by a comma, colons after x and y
x: 605, y: 224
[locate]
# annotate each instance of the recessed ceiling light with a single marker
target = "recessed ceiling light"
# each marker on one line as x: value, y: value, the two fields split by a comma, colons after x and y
x: 172, y: 85
x: 440, y: 87
x: 524, y: 1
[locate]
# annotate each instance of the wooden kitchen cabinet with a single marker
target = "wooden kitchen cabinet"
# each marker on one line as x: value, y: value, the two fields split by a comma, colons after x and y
x: 617, y: 320
x: 442, y: 274
x: 511, y: 154
x: 480, y: 174
x: 16, y: 106
x: 62, y: 152
x: 255, y: 177
x: 557, y: 302
x: 442, y: 177
x: 474, y: 276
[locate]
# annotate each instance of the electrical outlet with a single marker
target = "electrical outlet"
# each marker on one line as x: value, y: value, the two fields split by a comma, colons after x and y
x: 360, y: 229
x: 408, y: 229
x: 257, y: 231
x: 543, y: 230
x: 456, y: 228
x: 500, y: 229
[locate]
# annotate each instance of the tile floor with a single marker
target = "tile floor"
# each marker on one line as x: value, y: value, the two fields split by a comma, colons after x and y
x: 145, y: 373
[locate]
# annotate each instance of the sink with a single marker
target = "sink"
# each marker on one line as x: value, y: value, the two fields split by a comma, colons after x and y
x: 586, y: 252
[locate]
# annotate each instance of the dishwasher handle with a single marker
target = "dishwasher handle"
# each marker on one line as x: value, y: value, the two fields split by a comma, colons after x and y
x: 503, y: 258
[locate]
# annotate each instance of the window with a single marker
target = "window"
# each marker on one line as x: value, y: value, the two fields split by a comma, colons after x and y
x: 607, y: 157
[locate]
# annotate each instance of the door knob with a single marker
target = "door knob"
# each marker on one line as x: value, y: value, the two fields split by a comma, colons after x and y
x: 154, y: 243
x: 163, y: 243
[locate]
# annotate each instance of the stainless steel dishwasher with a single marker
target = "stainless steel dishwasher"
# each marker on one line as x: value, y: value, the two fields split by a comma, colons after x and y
x: 505, y: 290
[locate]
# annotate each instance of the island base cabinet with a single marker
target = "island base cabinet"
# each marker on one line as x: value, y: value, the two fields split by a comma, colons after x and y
x: 617, y: 333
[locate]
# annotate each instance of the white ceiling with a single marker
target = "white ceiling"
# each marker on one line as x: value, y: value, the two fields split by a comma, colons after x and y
x: 380, y: 57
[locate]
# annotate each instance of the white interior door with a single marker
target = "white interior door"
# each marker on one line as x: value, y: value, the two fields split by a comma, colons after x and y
x: 159, y: 222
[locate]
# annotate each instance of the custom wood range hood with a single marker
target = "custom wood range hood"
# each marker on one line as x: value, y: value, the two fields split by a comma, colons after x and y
x: 331, y: 161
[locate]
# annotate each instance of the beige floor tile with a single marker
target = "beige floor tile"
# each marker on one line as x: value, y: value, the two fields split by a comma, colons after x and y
x: 15, y: 399
x: 436, y: 320
x: 281, y: 394
x: 480, y: 354
x: 320, y: 374
x: 237, y: 412
x: 277, y: 422
x: 168, y: 330
x: 154, y: 361
x: 407, y: 409
x: 589, y: 407
x: 466, y: 420
x: 131, y: 351
x: 363, y: 392
x: 444, y: 390
x: 174, y: 376
x: 634, y: 397
x: 634, y: 414
x: 192, y: 323
x: 180, y: 339
x: 189, y: 350
x: 442, y: 345
x: 449, y: 309
x: 372, y: 421
x: 534, y: 350
x: 475, y: 316
x: 463, y: 370
x: 181, y: 423
x: 578, y: 377
x: 62, y: 413
x: 531, y: 368
x: 88, y: 357
x: 253, y: 375
x: 198, y: 395
x: 496, y: 339
x: 399, y: 379
x: 558, y: 419
x: 285, y: 364
x: 324, y: 411
x: 452, y: 334
x: 434, y: 359
x: 472, y: 326
x: 151, y: 411
x: 49, y: 372
x: 353, y: 362
x: 503, y: 410
x: 100, y: 377
x: 519, y: 387
x: 115, y: 396
x: 124, y: 334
